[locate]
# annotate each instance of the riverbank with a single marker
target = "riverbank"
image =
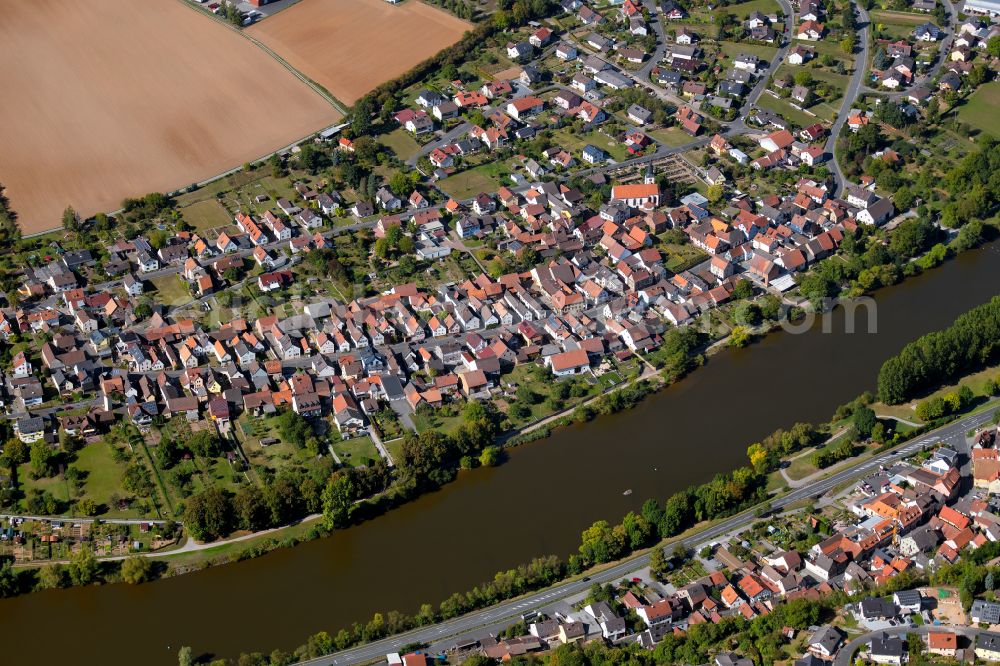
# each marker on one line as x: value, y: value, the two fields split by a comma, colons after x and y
x: 672, y: 440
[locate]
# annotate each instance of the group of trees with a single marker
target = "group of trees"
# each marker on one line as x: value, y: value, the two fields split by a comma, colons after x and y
x: 723, y: 495
x: 146, y: 208
x: 872, y: 258
x: 834, y: 453
x: 395, y: 243
x: 614, y: 402
x: 974, y: 190
x: 9, y: 231
x: 944, y: 405
x: 766, y: 454
x: 972, y: 575
x: 425, y: 461
x: 289, y: 495
x: 678, y: 355
x: 942, y: 355
x: 431, y: 458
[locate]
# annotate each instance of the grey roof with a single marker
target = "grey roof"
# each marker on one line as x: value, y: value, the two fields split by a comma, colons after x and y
x: 731, y: 659
x: 827, y: 637
x: 77, y: 258
x: 988, y: 641
x: 985, y: 611
x: 30, y: 425
x: 637, y: 111
x: 810, y: 660
x: 392, y: 387
x: 880, y: 209
x: 924, y: 538
x: 875, y: 608
x: 907, y: 597
x: 887, y: 646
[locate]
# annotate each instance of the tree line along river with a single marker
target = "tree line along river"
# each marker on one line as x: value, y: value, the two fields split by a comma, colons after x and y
x: 537, y: 503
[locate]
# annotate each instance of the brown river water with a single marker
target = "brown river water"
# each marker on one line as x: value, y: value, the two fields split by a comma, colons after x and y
x: 536, y: 503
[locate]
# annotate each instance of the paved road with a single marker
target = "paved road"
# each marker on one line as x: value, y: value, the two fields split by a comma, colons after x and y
x: 661, y: 40
x: 844, y: 656
x: 112, y: 521
x: 785, y: 42
x: 850, y: 96
x: 511, y: 611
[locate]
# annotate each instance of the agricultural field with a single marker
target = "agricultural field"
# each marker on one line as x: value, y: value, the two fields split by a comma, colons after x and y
x: 103, y: 101
x: 324, y: 39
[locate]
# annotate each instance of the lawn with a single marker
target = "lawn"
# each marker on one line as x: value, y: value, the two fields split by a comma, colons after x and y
x: 436, y: 420
x: 744, y: 9
x: 826, y: 110
x: 898, y: 18
x: 671, y: 136
x: 171, y: 290
x: 469, y: 183
x: 897, y: 25
x: 801, y: 467
x: 273, y: 456
x: 980, y: 110
x: 784, y: 108
x: 681, y: 257
x: 832, y: 49
x: 975, y: 381
x: 103, y: 474
x: 574, y: 143
x: 56, y: 485
x: 355, y: 452
x: 401, y: 142
x: 835, y: 80
x: 395, y: 448
x: 733, y: 49
x: 206, y: 214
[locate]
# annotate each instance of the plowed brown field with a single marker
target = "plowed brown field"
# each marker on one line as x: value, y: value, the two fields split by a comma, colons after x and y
x: 113, y: 98
x: 351, y: 46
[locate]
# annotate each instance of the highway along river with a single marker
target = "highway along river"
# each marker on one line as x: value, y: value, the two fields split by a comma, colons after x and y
x: 536, y: 503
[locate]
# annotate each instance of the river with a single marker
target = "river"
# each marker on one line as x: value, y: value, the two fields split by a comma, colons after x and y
x: 536, y: 503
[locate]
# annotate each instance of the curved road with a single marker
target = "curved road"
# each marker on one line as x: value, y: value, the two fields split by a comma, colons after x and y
x: 846, y: 652
x: 511, y: 611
